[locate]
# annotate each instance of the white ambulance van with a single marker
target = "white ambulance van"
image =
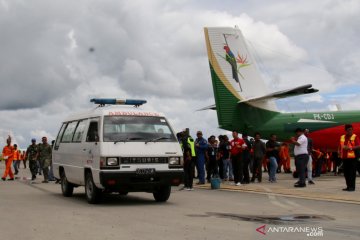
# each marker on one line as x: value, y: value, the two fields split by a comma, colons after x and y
x: 117, y: 148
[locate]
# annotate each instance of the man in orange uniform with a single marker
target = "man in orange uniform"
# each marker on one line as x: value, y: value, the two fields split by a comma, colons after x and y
x: 16, y: 159
x: 23, y: 159
x: 285, y: 157
x: 8, y: 155
x: 348, y: 144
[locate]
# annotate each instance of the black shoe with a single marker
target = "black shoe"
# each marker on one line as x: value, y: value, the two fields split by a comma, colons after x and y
x: 311, y: 182
x: 11, y: 179
x: 345, y: 189
x: 252, y: 180
x: 351, y: 189
x: 200, y: 183
x: 300, y: 185
x: 4, y: 179
x: 33, y: 178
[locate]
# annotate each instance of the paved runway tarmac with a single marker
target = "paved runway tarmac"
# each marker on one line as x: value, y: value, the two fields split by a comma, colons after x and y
x: 39, y: 211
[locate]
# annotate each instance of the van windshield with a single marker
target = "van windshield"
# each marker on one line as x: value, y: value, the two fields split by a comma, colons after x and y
x: 137, y: 129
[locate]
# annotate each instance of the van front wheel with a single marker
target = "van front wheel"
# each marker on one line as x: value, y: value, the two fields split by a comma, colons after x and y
x: 66, y: 187
x: 162, y: 194
x: 93, y: 194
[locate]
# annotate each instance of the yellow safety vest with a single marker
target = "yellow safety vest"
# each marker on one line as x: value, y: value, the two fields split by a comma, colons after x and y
x: 350, y: 144
x: 191, y: 143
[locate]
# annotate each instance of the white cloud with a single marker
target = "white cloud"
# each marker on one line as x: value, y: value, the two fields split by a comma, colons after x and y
x: 312, y: 98
x: 156, y: 50
x: 39, y: 133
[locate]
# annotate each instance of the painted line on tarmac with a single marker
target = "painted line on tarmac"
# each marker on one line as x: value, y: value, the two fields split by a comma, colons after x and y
x: 232, y: 189
x: 277, y: 202
x: 286, y: 203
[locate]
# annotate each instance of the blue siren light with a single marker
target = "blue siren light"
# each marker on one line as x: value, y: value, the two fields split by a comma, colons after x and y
x: 114, y: 101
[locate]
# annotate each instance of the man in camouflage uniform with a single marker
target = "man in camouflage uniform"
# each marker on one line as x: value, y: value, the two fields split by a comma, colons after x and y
x: 44, y: 155
x: 31, y: 155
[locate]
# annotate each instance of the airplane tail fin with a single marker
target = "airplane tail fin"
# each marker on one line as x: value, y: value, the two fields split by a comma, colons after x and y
x: 234, y: 74
x: 241, y: 97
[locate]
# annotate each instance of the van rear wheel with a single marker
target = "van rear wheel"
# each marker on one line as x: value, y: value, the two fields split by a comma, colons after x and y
x: 67, y: 188
x: 162, y: 194
x: 93, y: 194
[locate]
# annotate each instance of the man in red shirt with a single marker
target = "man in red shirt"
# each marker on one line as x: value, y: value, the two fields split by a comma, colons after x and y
x: 349, y: 143
x: 237, y: 145
x: 8, y: 155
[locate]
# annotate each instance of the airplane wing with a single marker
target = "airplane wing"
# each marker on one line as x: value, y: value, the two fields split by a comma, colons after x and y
x: 212, y: 107
x: 305, y: 89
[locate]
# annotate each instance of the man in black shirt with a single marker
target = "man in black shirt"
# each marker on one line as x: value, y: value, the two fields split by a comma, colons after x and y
x: 259, y: 153
x: 224, y: 149
x: 272, y: 152
x: 212, y: 153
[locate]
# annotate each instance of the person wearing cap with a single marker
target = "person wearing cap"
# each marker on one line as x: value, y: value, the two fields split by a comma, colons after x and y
x: 301, y: 155
x: 349, y: 145
x: 8, y: 155
x: 31, y: 155
x: 44, y: 156
x: 201, y: 146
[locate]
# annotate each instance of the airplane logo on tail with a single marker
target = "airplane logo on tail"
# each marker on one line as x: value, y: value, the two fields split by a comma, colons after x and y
x: 262, y: 230
x: 236, y: 62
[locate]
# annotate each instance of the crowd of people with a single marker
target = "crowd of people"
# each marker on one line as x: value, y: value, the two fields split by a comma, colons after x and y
x: 37, y: 155
x: 242, y: 160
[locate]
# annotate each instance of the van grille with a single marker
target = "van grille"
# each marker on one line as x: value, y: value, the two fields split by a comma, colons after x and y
x: 140, y: 160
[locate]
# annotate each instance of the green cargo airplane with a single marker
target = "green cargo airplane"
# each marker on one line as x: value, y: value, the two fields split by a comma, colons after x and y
x: 243, y: 103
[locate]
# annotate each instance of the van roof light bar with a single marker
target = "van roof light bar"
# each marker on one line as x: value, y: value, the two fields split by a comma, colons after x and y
x: 114, y: 101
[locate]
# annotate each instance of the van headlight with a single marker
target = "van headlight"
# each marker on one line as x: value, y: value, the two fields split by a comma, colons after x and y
x: 174, y: 161
x: 112, y: 161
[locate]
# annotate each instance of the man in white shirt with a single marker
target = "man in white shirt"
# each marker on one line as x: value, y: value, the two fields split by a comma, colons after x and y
x: 301, y: 155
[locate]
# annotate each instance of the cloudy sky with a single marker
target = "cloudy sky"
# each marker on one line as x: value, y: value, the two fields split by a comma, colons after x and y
x: 154, y: 49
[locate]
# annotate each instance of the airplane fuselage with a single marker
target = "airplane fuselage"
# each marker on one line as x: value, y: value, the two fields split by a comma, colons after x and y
x: 325, y: 127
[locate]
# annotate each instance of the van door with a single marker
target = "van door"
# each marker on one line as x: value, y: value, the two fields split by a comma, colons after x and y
x: 91, y: 149
x: 78, y: 152
x: 66, y: 151
x: 56, y: 156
